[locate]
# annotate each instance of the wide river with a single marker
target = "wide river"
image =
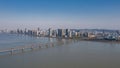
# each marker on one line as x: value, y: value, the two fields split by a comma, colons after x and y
x: 67, y: 53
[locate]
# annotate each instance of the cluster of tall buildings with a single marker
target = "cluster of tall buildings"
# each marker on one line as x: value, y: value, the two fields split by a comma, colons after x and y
x: 97, y: 34
x: 61, y: 33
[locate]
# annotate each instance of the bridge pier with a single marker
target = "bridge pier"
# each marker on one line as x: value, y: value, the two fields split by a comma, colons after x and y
x: 12, y: 49
x: 32, y: 47
x: 22, y: 49
x: 39, y: 46
x: 46, y: 46
x: 52, y: 45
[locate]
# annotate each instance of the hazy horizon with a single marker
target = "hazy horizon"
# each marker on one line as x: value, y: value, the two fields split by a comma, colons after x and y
x: 77, y: 14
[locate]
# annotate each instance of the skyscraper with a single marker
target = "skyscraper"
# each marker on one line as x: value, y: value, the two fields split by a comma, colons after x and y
x: 59, y: 32
x: 50, y: 32
x: 62, y: 32
x: 66, y: 32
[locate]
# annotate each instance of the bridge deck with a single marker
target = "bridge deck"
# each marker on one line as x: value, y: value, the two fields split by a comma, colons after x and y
x: 23, y: 48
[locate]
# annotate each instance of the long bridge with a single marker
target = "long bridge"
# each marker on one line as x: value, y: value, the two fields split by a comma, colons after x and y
x: 22, y: 49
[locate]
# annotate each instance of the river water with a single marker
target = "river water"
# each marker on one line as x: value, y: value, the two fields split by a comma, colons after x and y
x: 67, y: 53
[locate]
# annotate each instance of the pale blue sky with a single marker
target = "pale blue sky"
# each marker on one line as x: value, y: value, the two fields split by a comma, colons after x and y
x: 80, y: 14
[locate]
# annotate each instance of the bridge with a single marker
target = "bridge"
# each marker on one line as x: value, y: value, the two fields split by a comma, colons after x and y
x: 22, y: 49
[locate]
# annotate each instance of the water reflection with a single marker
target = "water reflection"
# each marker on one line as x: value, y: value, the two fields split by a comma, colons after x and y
x: 50, y: 39
x: 66, y: 53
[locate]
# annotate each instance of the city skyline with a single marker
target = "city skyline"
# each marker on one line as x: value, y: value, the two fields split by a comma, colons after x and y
x: 81, y: 14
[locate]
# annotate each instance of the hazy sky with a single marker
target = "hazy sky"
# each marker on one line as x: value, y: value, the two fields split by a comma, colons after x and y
x: 101, y: 14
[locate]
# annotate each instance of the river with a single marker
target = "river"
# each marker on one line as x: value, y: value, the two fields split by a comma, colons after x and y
x: 67, y: 53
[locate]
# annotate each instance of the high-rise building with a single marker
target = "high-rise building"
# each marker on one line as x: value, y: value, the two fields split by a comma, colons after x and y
x: 62, y: 32
x: 30, y: 32
x: 38, y: 29
x: 70, y: 34
x: 18, y: 31
x: 59, y: 32
x: 54, y: 33
x: 50, y: 32
x: 67, y: 32
x: 25, y: 31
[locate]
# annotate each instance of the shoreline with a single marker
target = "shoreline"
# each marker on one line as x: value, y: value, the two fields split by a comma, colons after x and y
x: 79, y: 38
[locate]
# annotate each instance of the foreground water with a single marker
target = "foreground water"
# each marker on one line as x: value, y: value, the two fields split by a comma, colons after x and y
x: 67, y: 53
